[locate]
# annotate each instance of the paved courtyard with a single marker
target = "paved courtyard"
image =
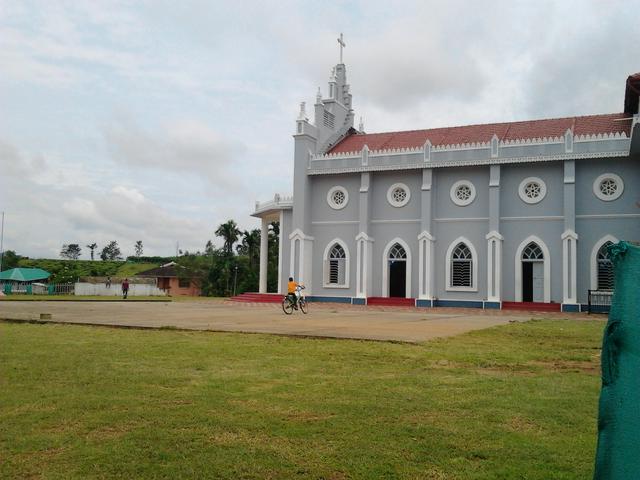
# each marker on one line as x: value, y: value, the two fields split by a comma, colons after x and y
x: 323, y: 320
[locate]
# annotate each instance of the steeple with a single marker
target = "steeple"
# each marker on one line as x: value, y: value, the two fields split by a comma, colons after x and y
x: 333, y: 116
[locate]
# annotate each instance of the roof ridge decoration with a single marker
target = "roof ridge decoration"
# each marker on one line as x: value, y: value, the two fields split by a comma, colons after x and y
x: 476, y: 145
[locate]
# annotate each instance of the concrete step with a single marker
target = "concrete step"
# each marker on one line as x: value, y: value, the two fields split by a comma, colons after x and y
x: 392, y: 301
x: 532, y: 306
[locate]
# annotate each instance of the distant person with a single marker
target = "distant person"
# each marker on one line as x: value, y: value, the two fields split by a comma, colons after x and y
x: 125, y: 288
x: 108, y: 282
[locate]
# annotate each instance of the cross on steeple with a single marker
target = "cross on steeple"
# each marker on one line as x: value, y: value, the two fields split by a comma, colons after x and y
x: 342, y: 45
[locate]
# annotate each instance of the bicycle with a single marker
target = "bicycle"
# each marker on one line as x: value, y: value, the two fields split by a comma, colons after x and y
x: 289, y: 304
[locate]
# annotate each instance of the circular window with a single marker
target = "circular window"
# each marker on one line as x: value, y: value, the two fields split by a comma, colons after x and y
x: 398, y: 195
x: 337, y: 197
x: 608, y: 187
x: 463, y: 193
x: 532, y: 190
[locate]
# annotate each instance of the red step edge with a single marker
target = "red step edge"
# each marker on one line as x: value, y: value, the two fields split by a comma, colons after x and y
x: 532, y: 306
x: 392, y: 301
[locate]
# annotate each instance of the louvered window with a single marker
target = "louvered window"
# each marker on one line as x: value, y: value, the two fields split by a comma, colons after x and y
x: 461, y: 266
x: 605, y: 268
x: 337, y: 265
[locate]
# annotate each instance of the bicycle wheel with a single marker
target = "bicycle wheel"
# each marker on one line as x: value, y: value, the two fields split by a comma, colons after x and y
x: 303, y: 305
x: 287, y: 306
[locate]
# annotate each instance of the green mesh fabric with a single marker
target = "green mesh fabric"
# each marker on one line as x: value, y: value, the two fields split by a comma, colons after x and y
x: 618, y: 452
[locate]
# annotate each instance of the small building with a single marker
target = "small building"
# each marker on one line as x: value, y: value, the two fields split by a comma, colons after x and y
x: 20, y: 280
x: 168, y: 279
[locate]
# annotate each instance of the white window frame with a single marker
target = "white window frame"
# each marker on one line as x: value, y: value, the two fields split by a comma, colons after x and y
x: 393, y: 202
x: 600, y: 195
x: 330, y: 201
x: 325, y: 262
x: 385, y: 267
x: 474, y: 267
x: 546, y: 268
x: 523, y: 195
x: 594, y: 258
x: 456, y: 200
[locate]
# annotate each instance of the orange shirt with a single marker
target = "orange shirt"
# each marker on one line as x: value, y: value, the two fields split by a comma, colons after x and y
x: 292, y: 287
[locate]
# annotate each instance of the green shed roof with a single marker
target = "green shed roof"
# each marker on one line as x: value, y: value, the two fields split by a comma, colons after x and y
x: 24, y: 274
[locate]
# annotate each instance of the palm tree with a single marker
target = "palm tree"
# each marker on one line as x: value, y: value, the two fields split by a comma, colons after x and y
x: 92, y: 247
x: 230, y: 232
x: 250, y: 244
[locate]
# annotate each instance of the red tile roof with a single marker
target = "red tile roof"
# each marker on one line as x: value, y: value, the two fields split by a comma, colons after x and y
x: 555, y: 127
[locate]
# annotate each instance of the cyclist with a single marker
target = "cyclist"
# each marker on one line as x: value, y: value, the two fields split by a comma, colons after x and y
x: 292, y: 293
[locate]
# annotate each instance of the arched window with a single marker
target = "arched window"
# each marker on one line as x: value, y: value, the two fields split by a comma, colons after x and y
x: 397, y: 253
x: 461, y: 266
x: 532, y: 252
x: 605, y: 268
x: 336, y: 271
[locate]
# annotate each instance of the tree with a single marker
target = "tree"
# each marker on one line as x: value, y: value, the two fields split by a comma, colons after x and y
x: 70, y: 251
x: 9, y: 260
x: 111, y: 252
x: 230, y: 232
x: 250, y: 246
x: 92, y: 247
x: 138, y: 248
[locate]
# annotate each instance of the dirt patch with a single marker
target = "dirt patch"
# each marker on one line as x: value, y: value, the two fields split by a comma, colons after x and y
x: 589, y: 367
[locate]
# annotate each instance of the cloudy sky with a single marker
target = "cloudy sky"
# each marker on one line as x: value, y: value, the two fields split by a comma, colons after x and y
x: 159, y: 120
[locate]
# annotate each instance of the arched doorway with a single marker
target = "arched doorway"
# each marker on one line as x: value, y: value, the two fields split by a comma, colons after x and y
x: 397, y: 261
x: 532, y: 273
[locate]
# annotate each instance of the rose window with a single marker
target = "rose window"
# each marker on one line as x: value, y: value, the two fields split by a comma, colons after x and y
x: 398, y: 195
x: 338, y: 197
x: 532, y: 190
x: 463, y: 193
x: 608, y: 187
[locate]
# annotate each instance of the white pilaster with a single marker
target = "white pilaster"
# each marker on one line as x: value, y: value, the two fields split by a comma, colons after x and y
x: 569, y: 264
x: 280, y: 248
x: 425, y: 266
x: 264, y: 255
x: 364, y: 260
x: 494, y: 266
x: 304, y: 260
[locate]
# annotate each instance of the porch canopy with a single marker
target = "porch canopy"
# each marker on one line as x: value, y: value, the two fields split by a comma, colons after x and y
x: 24, y: 275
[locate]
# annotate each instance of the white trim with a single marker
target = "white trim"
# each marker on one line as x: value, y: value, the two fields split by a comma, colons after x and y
x: 363, y: 264
x: 336, y: 222
x: 392, y: 201
x: 332, y: 204
x: 523, y: 195
x: 477, y: 219
x: 466, y: 163
x: 425, y: 265
x: 605, y: 176
x: 474, y: 267
x: 569, y: 265
x: 325, y: 259
x: 385, y: 267
x: 537, y: 217
x: 494, y: 266
x: 610, y: 215
x: 408, y: 220
x: 594, y: 258
x: 547, y: 268
x: 456, y: 200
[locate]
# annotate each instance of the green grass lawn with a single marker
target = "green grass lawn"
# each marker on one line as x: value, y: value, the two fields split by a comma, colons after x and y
x: 511, y: 402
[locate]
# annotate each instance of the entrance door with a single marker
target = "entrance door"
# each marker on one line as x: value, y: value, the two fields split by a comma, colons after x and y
x: 532, y: 273
x: 397, y: 278
x: 538, y: 281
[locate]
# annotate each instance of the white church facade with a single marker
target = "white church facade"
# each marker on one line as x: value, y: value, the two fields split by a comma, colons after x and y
x: 480, y: 216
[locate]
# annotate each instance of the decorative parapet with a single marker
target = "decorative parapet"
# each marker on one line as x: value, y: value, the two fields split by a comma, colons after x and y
x: 479, y: 153
x: 279, y: 202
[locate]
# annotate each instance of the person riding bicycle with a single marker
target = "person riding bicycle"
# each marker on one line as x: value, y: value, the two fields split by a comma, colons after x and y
x: 292, y: 293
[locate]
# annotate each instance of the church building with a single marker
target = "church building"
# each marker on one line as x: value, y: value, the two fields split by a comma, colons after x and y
x: 493, y: 216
